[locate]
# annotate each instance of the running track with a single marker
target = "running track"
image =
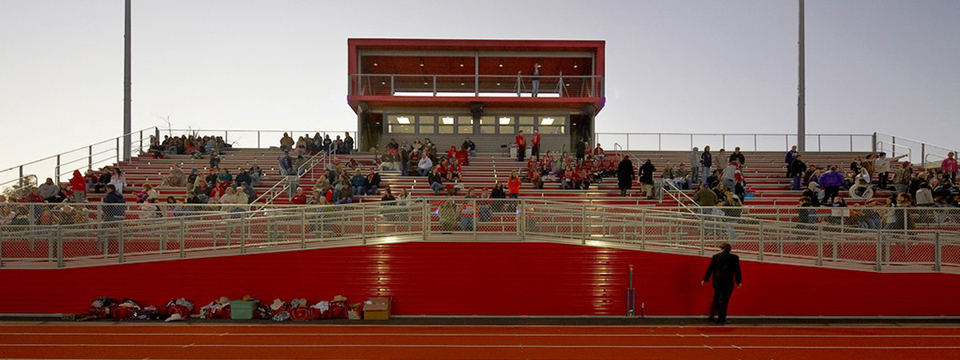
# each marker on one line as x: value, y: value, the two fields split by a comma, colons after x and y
x: 289, y: 341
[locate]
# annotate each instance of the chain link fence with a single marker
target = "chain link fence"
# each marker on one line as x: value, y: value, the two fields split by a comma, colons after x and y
x: 894, y: 239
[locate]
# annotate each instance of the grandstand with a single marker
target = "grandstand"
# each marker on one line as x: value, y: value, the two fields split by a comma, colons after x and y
x: 576, y: 248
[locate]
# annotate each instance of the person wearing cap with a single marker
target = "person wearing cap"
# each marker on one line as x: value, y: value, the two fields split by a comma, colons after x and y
x: 724, y: 271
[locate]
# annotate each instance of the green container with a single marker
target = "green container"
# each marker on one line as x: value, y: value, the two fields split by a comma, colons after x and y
x: 243, y: 310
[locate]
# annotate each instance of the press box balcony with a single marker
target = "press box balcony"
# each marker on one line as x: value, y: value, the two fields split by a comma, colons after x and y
x: 489, y: 90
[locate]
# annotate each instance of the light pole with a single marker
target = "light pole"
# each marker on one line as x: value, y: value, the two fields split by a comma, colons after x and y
x: 801, y: 89
x: 126, y: 82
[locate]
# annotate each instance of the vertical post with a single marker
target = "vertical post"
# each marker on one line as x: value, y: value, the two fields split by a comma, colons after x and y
x: 643, y: 229
x: 258, y: 139
x: 723, y: 141
x: 659, y: 142
x: 879, y: 250
x: 303, y: 229
x: 937, y: 255
x: 851, y: 142
x: 120, y: 242
x: 476, y: 219
x: 755, y: 142
x: 434, y: 85
x: 118, y: 150
x: 363, y: 223
x: 90, y: 157
x: 820, y: 245
x: 226, y: 136
x: 760, y: 248
x: 126, y: 84
x: 243, y: 233
x: 691, y: 141
x: 801, y: 90
x: 522, y: 215
x: 425, y: 219
x: 57, y: 175
x: 391, y: 85
x: 583, y: 223
x: 476, y: 74
x: 628, y: 142
x: 183, y: 229
x: 59, y: 246
x: 923, y: 155
x: 703, y: 241
x: 893, y: 147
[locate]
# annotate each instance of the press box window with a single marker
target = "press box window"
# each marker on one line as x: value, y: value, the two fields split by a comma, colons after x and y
x: 488, y: 125
x: 426, y: 124
x: 465, y: 124
x: 400, y: 124
x: 506, y: 124
x: 552, y: 125
x: 446, y: 124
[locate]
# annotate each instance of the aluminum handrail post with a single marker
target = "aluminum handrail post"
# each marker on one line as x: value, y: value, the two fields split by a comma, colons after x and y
x: 583, y: 223
x: 786, y: 142
x: 703, y: 241
x: 659, y: 142
x: 851, y: 142
x: 937, y: 253
x: 820, y: 245
x: 303, y: 229
x: 819, y: 144
x: 755, y: 142
x: 59, y: 246
x: 643, y: 229
x: 183, y: 229
x: 363, y: 223
x: 391, y: 85
x: 522, y: 215
x: 90, y: 157
x: 425, y: 219
x: 118, y: 150
x: 120, y: 242
x: 760, y: 248
x: 57, y: 170
x: 258, y: 139
x: 723, y: 141
x: 879, y: 250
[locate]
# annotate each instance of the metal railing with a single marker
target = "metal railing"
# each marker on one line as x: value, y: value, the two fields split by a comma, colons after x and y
x: 253, y: 139
x: 105, y: 152
x: 476, y: 85
x: 466, y: 219
x: 892, y: 144
x: 284, y: 185
x: 747, y: 142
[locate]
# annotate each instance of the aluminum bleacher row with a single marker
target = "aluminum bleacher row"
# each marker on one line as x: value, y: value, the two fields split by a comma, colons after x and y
x: 764, y: 174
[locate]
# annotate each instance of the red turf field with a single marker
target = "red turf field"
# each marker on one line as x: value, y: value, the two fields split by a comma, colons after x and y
x: 158, y: 341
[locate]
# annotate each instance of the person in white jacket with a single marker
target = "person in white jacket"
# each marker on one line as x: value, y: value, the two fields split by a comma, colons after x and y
x: 425, y: 164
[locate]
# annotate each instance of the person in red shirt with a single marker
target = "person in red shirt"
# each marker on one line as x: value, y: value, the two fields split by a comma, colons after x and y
x: 949, y: 166
x: 463, y: 157
x: 513, y: 185
x: 444, y: 169
x: 452, y: 153
x: 598, y: 151
x: 521, y: 146
x: 535, y: 140
x: 79, y: 186
x: 299, y: 198
x: 531, y: 168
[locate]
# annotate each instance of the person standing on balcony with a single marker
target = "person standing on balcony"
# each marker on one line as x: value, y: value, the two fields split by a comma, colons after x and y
x: 625, y: 175
x: 535, y: 141
x: 724, y: 270
x: 706, y: 163
x: 791, y: 155
x: 521, y: 146
x: 536, y: 79
x: 949, y: 166
x: 347, y: 144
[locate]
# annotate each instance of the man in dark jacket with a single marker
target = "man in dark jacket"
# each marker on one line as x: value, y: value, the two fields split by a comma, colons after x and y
x: 725, y: 271
x: 738, y: 156
x: 625, y: 175
x: 797, y: 168
x: 580, y: 149
x: 113, y: 208
x: 831, y: 182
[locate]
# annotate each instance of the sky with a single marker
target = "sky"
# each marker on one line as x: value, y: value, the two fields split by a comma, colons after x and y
x: 672, y: 66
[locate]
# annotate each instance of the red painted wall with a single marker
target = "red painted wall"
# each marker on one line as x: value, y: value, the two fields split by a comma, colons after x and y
x: 486, y: 279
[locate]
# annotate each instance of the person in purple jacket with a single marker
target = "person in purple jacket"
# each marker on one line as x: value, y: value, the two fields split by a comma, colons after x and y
x: 831, y: 182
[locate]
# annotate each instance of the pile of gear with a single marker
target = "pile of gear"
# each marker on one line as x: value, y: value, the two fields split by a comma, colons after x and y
x: 179, y: 309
